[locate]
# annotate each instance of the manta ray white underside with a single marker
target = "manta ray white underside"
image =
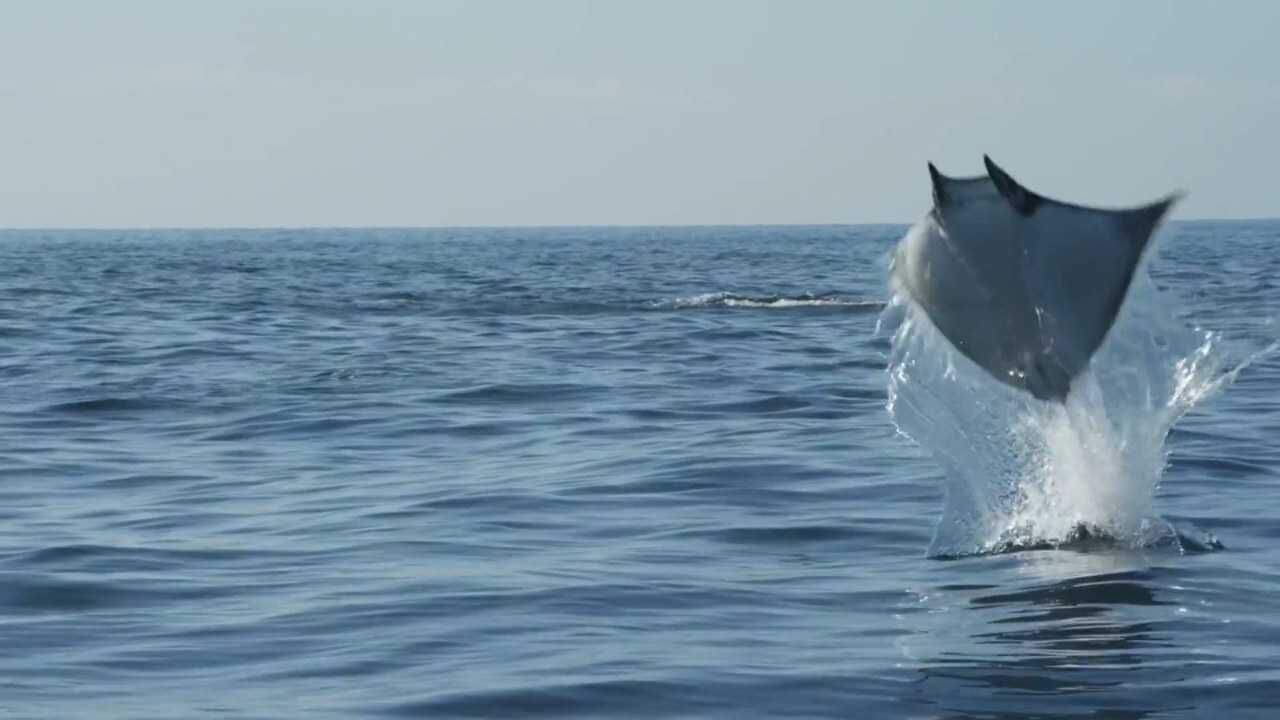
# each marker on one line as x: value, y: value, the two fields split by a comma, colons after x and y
x: 1025, y: 286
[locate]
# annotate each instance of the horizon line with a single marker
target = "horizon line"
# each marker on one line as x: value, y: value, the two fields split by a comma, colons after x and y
x: 516, y: 226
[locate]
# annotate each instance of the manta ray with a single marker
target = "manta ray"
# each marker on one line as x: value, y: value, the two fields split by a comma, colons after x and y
x: 1024, y: 286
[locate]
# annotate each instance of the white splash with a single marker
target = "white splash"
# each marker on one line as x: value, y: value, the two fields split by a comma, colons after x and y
x: 1022, y: 472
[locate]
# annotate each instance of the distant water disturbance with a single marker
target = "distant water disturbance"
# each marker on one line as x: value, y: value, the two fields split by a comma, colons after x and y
x: 803, y: 300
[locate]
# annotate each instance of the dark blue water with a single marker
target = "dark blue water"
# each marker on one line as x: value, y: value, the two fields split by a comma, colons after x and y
x: 571, y: 472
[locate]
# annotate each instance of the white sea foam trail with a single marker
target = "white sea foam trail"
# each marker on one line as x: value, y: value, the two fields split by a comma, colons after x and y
x: 804, y: 300
x: 1021, y: 472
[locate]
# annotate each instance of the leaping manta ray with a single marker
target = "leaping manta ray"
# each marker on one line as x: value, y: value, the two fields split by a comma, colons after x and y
x: 1025, y: 286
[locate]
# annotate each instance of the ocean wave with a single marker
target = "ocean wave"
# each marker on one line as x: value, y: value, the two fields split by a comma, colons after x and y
x: 111, y: 404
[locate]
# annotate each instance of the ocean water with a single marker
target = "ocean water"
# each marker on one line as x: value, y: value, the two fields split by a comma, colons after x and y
x: 576, y: 472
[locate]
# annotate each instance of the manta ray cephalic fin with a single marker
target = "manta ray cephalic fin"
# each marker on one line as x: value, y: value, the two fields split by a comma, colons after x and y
x: 949, y: 191
x: 1022, y: 199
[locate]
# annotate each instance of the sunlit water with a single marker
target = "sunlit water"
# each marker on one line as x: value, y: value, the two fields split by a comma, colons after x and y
x: 596, y: 473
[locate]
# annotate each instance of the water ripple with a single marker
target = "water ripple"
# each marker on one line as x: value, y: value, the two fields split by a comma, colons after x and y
x: 595, y: 472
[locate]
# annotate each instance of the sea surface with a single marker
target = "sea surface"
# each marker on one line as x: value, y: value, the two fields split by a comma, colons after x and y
x: 574, y: 472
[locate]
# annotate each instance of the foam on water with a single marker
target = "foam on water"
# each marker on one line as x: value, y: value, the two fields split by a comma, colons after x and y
x: 804, y: 300
x: 1021, y: 472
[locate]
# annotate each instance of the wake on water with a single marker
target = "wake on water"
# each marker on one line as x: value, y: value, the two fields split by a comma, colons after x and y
x: 804, y: 300
x: 1023, y: 473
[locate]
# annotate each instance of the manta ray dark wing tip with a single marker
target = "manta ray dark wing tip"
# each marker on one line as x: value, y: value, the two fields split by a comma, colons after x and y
x: 1163, y: 206
x: 1140, y: 223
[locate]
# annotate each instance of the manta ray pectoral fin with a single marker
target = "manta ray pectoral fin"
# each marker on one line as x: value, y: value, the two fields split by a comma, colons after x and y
x: 1023, y: 200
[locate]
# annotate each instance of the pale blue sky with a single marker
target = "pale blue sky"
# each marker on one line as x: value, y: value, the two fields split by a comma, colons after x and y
x: 595, y: 112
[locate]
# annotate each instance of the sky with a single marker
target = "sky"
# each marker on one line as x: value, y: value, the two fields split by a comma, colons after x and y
x: 604, y: 112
